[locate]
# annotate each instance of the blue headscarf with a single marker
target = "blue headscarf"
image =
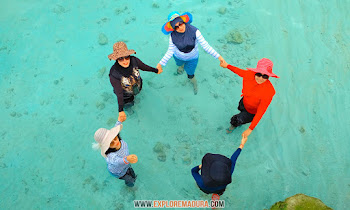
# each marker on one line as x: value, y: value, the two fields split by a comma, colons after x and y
x: 186, y: 41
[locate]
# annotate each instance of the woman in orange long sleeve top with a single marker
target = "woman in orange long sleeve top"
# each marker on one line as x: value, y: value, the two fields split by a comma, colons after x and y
x: 257, y: 94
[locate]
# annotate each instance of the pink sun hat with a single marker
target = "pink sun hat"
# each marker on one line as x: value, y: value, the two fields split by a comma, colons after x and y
x: 264, y: 67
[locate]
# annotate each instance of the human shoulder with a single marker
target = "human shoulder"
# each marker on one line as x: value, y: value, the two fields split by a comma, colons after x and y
x: 110, y: 157
x: 250, y: 75
x: 115, y: 73
x: 135, y: 59
x: 114, y: 67
x: 250, y: 72
x: 270, y: 89
x: 198, y: 33
x: 123, y: 142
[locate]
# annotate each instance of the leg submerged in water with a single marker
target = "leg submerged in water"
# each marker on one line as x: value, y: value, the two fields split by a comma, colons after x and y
x: 129, y: 177
x: 190, y: 68
x: 180, y: 70
x: 230, y: 129
x: 194, y: 83
x: 132, y: 173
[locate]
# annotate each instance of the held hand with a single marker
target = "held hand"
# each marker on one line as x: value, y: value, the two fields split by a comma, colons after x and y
x: 159, y: 67
x: 246, y: 133
x: 200, y: 166
x: 221, y: 59
x: 160, y: 70
x: 132, y: 158
x: 122, y: 116
x: 243, y: 141
x: 223, y: 64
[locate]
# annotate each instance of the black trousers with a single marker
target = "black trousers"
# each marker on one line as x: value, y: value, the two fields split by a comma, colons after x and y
x: 129, y: 177
x: 129, y: 101
x: 243, y: 117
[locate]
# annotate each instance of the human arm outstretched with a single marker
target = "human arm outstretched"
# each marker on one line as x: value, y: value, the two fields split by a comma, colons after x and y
x: 205, y: 45
x: 197, y: 177
x: 168, y: 54
x: 237, y: 153
x: 145, y: 67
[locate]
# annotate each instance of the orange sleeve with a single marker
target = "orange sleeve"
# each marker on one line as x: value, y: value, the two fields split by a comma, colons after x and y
x: 238, y: 71
x: 260, y: 112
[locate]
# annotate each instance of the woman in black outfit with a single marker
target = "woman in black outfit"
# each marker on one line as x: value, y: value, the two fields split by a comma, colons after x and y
x: 125, y: 76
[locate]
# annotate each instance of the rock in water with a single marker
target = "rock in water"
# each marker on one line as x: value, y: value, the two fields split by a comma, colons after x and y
x: 300, y: 201
x: 101, y: 72
x: 159, y: 147
x: 155, y: 5
x: 161, y: 156
x: 234, y: 36
x: 102, y: 39
x: 222, y: 10
x: 160, y: 150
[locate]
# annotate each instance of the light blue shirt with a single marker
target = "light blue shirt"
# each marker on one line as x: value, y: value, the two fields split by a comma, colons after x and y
x: 117, y: 164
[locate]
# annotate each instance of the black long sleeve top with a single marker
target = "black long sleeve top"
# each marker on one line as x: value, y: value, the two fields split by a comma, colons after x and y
x: 126, y: 72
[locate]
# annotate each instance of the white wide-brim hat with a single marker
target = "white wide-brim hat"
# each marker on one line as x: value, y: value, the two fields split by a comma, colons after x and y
x: 104, y: 137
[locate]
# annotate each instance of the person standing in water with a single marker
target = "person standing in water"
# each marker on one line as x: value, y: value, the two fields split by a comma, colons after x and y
x: 257, y: 94
x: 125, y: 76
x: 216, y: 172
x: 116, y: 153
x: 183, y: 45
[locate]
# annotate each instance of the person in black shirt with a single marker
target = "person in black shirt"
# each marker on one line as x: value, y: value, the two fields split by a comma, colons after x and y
x: 125, y: 76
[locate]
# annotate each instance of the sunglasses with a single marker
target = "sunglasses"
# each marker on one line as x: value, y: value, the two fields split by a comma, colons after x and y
x: 122, y: 58
x: 180, y: 24
x: 264, y: 76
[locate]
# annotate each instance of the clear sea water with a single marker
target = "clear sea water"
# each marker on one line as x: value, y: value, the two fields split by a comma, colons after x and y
x: 55, y: 93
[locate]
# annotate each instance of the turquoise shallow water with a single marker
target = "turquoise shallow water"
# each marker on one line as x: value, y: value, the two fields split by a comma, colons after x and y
x: 54, y: 96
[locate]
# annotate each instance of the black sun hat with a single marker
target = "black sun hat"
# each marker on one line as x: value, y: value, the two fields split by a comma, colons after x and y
x: 216, y: 170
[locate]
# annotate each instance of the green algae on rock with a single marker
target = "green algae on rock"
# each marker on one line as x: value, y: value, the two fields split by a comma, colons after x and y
x: 187, y: 160
x: 100, y: 105
x: 101, y: 72
x: 118, y: 11
x: 155, y: 5
x: 102, y: 39
x: 58, y: 9
x: 160, y: 149
x: 234, y: 36
x: 161, y: 156
x: 300, y: 201
x: 111, y: 122
x: 222, y: 10
x: 107, y: 96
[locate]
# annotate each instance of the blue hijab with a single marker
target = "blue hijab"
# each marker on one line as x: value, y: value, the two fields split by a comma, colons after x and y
x: 186, y: 41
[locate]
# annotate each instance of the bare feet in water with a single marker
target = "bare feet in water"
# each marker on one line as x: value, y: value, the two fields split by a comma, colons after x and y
x: 230, y: 129
x: 180, y: 70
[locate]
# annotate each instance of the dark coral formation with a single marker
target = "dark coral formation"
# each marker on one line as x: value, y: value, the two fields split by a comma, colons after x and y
x: 155, y: 5
x: 160, y: 150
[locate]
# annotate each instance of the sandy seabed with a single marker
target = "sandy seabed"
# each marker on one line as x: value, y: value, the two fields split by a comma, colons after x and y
x: 55, y: 93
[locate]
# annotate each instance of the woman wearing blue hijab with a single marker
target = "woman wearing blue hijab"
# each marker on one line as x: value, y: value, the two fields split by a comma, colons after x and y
x: 183, y: 45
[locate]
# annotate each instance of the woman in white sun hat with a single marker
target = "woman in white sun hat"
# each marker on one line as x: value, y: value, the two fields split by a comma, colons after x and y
x: 116, y: 152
